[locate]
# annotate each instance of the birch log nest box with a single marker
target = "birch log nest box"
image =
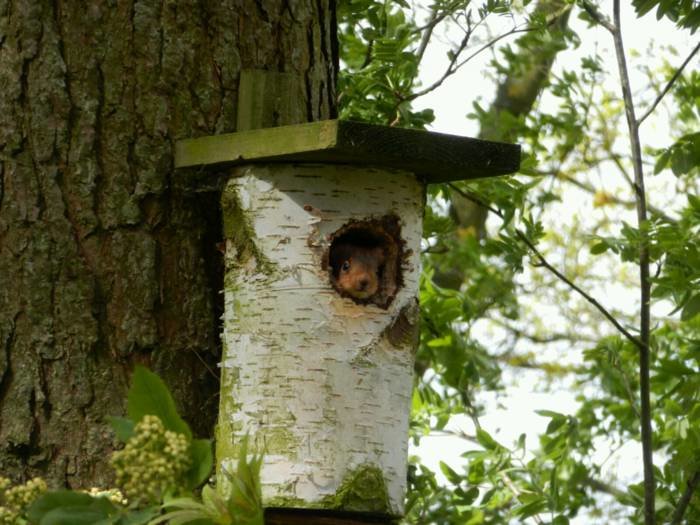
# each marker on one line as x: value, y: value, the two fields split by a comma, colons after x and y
x: 323, y: 224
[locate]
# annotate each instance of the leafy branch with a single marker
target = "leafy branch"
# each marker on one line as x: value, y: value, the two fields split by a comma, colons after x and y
x: 543, y: 262
x: 589, y: 188
x: 683, y: 503
x: 644, y: 278
x: 670, y: 83
x: 454, y: 65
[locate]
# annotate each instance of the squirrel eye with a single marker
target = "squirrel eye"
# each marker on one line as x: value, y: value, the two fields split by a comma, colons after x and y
x: 346, y: 266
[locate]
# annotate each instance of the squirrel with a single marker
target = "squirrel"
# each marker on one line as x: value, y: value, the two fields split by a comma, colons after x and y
x: 357, y: 269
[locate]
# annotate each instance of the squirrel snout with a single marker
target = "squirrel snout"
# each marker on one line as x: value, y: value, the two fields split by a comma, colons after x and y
x: 363, y: 288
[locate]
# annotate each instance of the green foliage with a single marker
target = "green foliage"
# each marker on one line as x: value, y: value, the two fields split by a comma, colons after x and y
x: 576, y: 150
x: 382, y: 46
x: 65, y: 507
x: 242, y: 507
x: 158, y: 469
x: 148, y: 395
x: 685, y: 13
x: 683, y: 157
x: 378, y: 42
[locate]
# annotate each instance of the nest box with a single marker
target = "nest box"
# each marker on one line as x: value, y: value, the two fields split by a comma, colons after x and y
x: 317, y: 367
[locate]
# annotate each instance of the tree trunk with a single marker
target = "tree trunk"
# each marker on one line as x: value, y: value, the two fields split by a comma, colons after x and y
x: 516, y: 94
x: 104, y: 260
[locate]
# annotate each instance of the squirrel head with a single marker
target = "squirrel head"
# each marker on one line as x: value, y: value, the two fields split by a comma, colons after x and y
x: 357, y: 269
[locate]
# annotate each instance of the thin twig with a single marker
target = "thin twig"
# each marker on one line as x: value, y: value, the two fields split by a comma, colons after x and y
x: 546, y: 264
x: 683, y: 503
x: 453, y: 66
x: 541, y: 339
x: 474, y: 198
x: 435, y: 19
x: 668, y: 86
x: 601, y: 486
x: 574, y: 287
x: 368, y: 55
x: 644, y: 281
x: 609, y: 196
x: 449, y: 71
x: 596, y: 15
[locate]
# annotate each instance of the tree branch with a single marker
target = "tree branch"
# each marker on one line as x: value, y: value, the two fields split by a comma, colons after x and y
x: 644, y: 281
x: 453, y: 66
x: 668, y: 86
x: 596, y: 15
x: 612, y: 198
x: 552, y: 337
x: 574, y: 287
x: 683, y: 503
x: 546, y: 264
x: 451, y: 70
x: 435, y: 19
x: 607, y: 488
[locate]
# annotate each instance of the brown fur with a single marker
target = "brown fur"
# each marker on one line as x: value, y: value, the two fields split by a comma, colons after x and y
x: 357, y: 269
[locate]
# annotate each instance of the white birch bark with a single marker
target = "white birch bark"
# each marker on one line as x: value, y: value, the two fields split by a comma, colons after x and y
x: 313, y: 377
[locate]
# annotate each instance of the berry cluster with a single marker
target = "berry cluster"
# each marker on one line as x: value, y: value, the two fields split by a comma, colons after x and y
x: 15, y: 500
x: 153, y: 462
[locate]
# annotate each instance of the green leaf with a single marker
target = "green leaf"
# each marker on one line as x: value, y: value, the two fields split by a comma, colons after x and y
x: 691, y: 308
x: 213, y: 501
x: 139, y: 517
x: 486, y: 441
x: 190, y: 511
x: 549, y: 413
x: 148, y: 395
x: 123, y: 427
x: 555, y: 424
x: 56, y: 499
x: 75, y: 516
x: 599, y: 248
x: 450, y: 474
x: 530, y: 509
x: 245, y: 500
x: 66, y: 507
x: 179, y: 517
x: 662, y: 161
x: 694, y: 201
x: 202, y: 462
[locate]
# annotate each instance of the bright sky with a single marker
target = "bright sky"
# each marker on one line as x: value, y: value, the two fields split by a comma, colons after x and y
x: 512, y: 413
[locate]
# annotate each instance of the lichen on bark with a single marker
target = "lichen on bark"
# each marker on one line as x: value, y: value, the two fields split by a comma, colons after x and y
x: 362, y: 490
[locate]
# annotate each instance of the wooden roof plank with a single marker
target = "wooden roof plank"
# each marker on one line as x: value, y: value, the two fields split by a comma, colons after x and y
x: 434, y: 157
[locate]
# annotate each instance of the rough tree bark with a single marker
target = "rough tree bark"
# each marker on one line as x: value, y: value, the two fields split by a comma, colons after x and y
x: 105, y: 262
